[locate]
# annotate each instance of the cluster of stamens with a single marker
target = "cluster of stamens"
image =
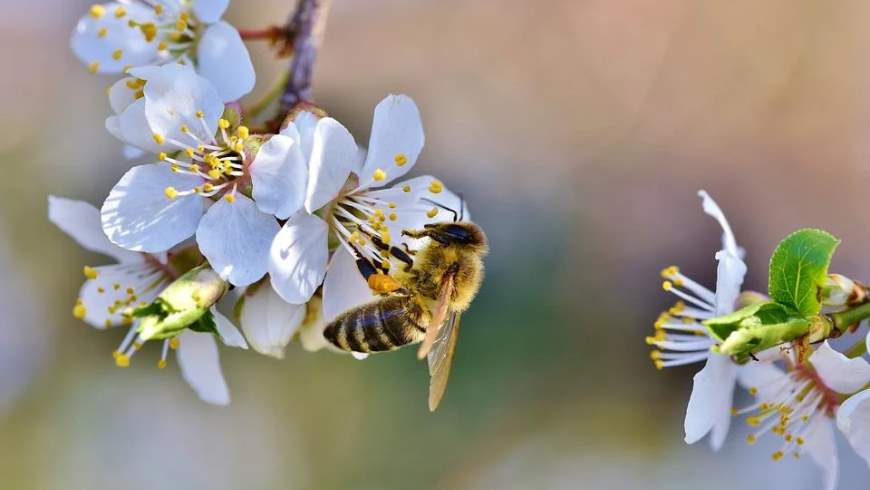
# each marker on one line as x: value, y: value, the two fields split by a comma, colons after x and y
x: 679, y: 336
x: 175, y: 32
x: 220, y: 161
x: 789, y: 407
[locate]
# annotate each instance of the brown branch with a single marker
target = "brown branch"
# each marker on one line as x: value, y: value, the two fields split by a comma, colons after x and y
x: 307, y: 25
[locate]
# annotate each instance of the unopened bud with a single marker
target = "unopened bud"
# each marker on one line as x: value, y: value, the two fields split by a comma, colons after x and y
x: 839, y: 290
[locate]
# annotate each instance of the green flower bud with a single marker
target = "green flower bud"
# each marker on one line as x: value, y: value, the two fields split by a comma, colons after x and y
x: 182, y: 304
x: 761, y: 326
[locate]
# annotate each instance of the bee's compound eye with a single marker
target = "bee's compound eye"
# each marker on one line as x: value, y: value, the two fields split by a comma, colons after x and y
x: 458, y: 233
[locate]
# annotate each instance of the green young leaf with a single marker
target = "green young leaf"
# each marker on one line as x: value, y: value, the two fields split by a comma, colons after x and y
x: 798, y: 268
x: 758, y: 314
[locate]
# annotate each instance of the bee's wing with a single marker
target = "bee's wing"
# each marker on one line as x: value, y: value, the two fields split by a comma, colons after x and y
x: 438, y: 316
x: 441, y: 358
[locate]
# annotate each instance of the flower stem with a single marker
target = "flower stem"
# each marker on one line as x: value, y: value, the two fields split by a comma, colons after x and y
x: 857, y: 349
x: 846, y: 318
x: 307, y: 23
x: 268, y: 98
x: 268, y: 33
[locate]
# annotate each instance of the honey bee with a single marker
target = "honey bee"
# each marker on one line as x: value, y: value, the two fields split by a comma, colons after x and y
x: 422, y: 302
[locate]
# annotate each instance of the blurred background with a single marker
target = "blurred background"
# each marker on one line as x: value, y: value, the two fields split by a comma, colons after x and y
x: 579, y: 131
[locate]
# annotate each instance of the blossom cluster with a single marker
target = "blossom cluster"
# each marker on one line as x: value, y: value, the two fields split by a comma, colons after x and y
x: 804, y: 390
x: 220, y: 215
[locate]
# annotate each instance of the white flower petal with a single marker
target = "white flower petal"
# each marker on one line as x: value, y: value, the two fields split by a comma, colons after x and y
x: 762, y: 376
x: 304, y: 125
x: 174, y: 94
x: 711, y: 396
x: 711, y: 208
x: 81, y: 221
x: 840, y: 373
x: 200, y: 366
x: 228, y: 332
x: 344, y: 287
x: 729, y: 277
x: 138, y: 216
x: 298, y: 257
x: 268, y: 321
x: 115, y: 285
x: 396, y: 141
x: 236, y: 238
x: 853, y: 419
x: 822, y: 447
x: 132, y: 153
x: 210, y: 11
x: 311, y: 331
x: 98, y: 40
x: 333, y: 158
x: 279, y: 175
x: 121, y: 95
x: 131, y: 127
x: 224, y: 60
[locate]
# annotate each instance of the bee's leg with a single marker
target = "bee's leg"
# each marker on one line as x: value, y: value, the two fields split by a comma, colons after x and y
x: 378, y: 282
x: 425, y: 234
x: 365, y: 266
x: 408, y: 249
x: 396, y: 252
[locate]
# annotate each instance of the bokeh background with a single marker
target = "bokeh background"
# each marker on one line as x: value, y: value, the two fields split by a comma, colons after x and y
x: 579, y: 132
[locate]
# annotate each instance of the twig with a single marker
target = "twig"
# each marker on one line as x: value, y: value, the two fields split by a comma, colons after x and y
x: 307, y: 23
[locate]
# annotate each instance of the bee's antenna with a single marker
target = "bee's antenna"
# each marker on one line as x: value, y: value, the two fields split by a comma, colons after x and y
x: 461, y: 206
x: 455, y: 214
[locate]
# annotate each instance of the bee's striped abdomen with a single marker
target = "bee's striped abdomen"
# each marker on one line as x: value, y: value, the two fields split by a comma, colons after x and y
x: 378, y: 326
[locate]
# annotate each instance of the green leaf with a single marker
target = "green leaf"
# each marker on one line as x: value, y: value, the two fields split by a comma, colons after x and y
x: 754, y: 315
x: 798, y: 268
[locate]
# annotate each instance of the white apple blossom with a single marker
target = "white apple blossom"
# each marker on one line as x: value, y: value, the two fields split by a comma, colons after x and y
x: 681, y: 339
x: 111, y: 292
x: 346, y: 202
x: 203, y: 169
x: 800, y: 405
x: 114, y: 37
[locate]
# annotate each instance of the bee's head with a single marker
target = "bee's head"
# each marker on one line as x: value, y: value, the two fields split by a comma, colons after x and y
x: 462, y: 233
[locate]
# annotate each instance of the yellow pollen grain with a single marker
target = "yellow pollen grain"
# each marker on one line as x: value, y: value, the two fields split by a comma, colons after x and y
x: 392, y: 205
x: 190, y: 152
x: 406, y: 188
x: 230, y: 198
x: 214, y: 173
x: 162, y: 46
x: 753, y: 421
x: 181, y: 25
x: 149, y: 30
x: 93, y: 67
x: 667, y: 285
x: 184, y: 128
x: 777, y: 455
x: 671, y: 271
x: 223, y: 123
x: 207, y: 187
x: 161, y: 364
x: 120, y: 12
x: 170, y: 192
x: 122, y: 360
x: 90, y: 272
x: 379, y: 175
x: 174, y: 343
x: 79, y: 310
x: 158, y: 9
x: 116, y: 286
x: 158, y: 138
x: 400, y: 159
x: 436, y: 187
x: 102, y: 32
x: 101, y: 290
x: 243, y: 131
x: 432, y: 212
x: 393, y: 217
x: 200, y: 114
x: 800, y: 441
x: 97, y: 11
x: 753, y: 391
x: 751, y: 439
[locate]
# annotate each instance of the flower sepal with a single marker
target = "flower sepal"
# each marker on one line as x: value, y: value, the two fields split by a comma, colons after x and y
x: 183, y: 304
x: 760, y: 326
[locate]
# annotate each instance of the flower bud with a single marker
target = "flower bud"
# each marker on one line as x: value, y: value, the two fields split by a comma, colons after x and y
x: 181, y: 304
x: 761, y: 326
x: 839, y: 290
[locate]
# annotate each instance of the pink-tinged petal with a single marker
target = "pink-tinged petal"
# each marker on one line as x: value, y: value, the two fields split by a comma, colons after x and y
x: 236, y: 238
x: 838, y: 372
x: 81, y: 221
x: 224, y: 60
x: 200, y: 366
x: 268, y: 321
x: 333, y: 158
x: 139, y: 216
x: 297, y: 262
x: 396, y: 141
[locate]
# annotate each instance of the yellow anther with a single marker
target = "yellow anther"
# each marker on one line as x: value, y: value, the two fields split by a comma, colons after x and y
x: 102, y: 31
x: 432, y: 212
x: 392, y: 205
x: 753, y: 421
x: 174, y: 342
x: 158, y: 138
x: 116, y: 286
x: 108, y: 323
x: 101, y: 290
x: 789, y: 437
x: 393, y: 217
x: 400, y: 159
x: 753, y: 391
x: 97, y: 11
x: 200, y: 114
x: 171, y: 192
x: 733, y: 412
x: 207, y: 187
x: 175, y: 168
x: 223, y: 123
x: 214, y: 173
x: 677, y: 308
x: 127, y: 320
x: 126, y: 68
x: 239, y: 146
x: 184, y: 128
x: 667, y: 285
x: 243, y: 132
x: 162, y: 46
x: 93, y: 67
x: 751, y: 439
x: 149, y: 30
x: 130, y: 291
x: 230, y: 198
x: 669, y: 272
x: 122, y: 360
x: 161, y: 364
x: 436, y: 186
x: 190, y: 152
x: 406, y: 188
x: 79, y: 310
x: 120, y: 12
x: 800, y: 441
x: 379, y: 175
x: 158, y: 9
x: 90, y: 272
x: 180, y: 25
x: 655, y: 355
x: 678, y: 281
x: 776, y: 456
x: 659, y: 364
